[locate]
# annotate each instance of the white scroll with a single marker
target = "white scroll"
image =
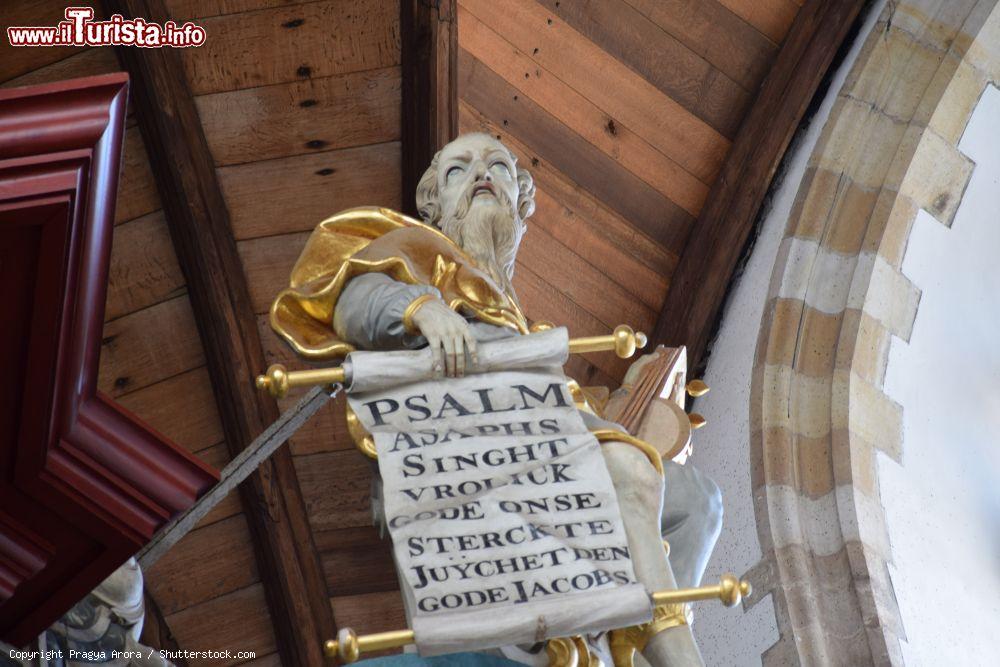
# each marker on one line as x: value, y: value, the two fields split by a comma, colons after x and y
x: 504, y: 521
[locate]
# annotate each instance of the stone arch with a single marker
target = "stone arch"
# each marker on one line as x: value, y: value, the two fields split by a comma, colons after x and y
x: 817, y: 410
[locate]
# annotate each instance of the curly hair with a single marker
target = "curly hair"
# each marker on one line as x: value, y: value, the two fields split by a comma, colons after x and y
x: 428, y: 202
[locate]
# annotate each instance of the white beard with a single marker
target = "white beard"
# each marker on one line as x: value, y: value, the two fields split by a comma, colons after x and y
x: 489, y: 232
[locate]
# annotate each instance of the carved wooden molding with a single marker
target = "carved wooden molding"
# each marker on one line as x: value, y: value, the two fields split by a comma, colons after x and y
x: 83, y: 483
x: 699, y: 284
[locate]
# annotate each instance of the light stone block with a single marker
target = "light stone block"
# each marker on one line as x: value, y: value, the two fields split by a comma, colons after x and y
x: 984, y: 51
x: 896, y: 76
x: 890, y: 226
x: 955, y: 107
x: 875, y: 417
x: 811, y: 523
x: 937, y: 177
x: 820, y: 277
x: 861, y: 142
x: 817, y: 342
x: 783, y: 331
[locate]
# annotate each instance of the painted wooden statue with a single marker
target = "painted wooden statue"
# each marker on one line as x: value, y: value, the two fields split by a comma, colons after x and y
x: 372, y: 279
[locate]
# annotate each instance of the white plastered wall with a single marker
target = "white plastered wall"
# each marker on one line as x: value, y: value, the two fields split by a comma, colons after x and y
x: 942, y: 504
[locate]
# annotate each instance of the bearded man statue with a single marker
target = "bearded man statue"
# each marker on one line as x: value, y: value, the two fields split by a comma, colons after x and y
x: 373, y: 279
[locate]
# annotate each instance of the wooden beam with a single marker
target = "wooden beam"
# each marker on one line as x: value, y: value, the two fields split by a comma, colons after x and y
x: 430, y: 86
x: 199, y: 225
x: 699, y: 284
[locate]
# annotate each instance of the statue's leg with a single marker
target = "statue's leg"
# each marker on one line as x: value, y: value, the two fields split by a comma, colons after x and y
x: 639, y: 488
x: 691, y: 522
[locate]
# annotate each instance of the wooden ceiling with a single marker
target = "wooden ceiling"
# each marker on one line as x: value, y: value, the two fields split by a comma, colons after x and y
x: 624, y: 111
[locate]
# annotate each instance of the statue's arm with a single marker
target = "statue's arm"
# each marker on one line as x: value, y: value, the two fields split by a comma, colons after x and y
x: 369, y: 312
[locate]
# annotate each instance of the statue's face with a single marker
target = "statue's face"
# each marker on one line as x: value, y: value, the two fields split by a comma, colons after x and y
x: 478, y: 169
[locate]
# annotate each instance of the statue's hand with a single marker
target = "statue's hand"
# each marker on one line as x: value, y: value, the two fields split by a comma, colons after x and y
x: 448, y: 335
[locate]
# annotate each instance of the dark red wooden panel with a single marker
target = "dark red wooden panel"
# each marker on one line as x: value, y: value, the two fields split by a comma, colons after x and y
x: 83, y: 483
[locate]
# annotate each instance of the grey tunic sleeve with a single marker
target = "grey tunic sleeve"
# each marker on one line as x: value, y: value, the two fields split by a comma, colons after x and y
x: 369, y: 313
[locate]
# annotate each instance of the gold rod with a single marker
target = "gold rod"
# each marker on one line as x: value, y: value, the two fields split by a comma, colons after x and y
x: 730, y: 591
x: 349, y: 646
x: 278, y: 380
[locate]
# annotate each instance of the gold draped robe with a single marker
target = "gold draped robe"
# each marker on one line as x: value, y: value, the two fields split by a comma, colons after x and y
x: 378, y: 240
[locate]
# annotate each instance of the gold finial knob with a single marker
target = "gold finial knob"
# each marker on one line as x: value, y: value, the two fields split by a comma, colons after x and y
x: 732, y: 590
x: 344, y: 648
x: 697, y: 421
x: 696, y: 388
x: 274, y: 382
x: 666, y: 548
x: 627, y: 341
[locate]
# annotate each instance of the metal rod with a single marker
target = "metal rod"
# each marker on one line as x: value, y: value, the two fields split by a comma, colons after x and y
x: 236, y: 471
x: 348, y: 646
x: 730, y: 591
x: 623, y: 341
x: 278, y: 380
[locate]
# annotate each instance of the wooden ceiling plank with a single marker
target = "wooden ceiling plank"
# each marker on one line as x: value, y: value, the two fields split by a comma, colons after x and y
x: 206, y: 564
x: 772, y: 18
x: 293, y: 43
x: 621, y: 93
x: 645, y: 208
x: 268, y: 263
x: 294, y: 194
x: 327, y: 430
x: 199, y: 223
x: 184, y: 10
x: 149, y: 345
x: 137, y: 195
x: 144, y: 269
x: 85, y: 62
x: 381, y: 612
x: 156, y: 634
x: 188, y: 394
x: 430, y: 87
x: 270, y: 660
x: 357, y: 561
x: 698, y: 286
x: 585, y: 225
x: 613, y: 261
x: 342, y: 500
x: 302, y: 117
x: 583, y: 283
x: 579, y: 114
x: 16, y: 61
x: 214, y: 624
x: 716, y: 34
x: 541, y: 302
x: 668, y: 64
